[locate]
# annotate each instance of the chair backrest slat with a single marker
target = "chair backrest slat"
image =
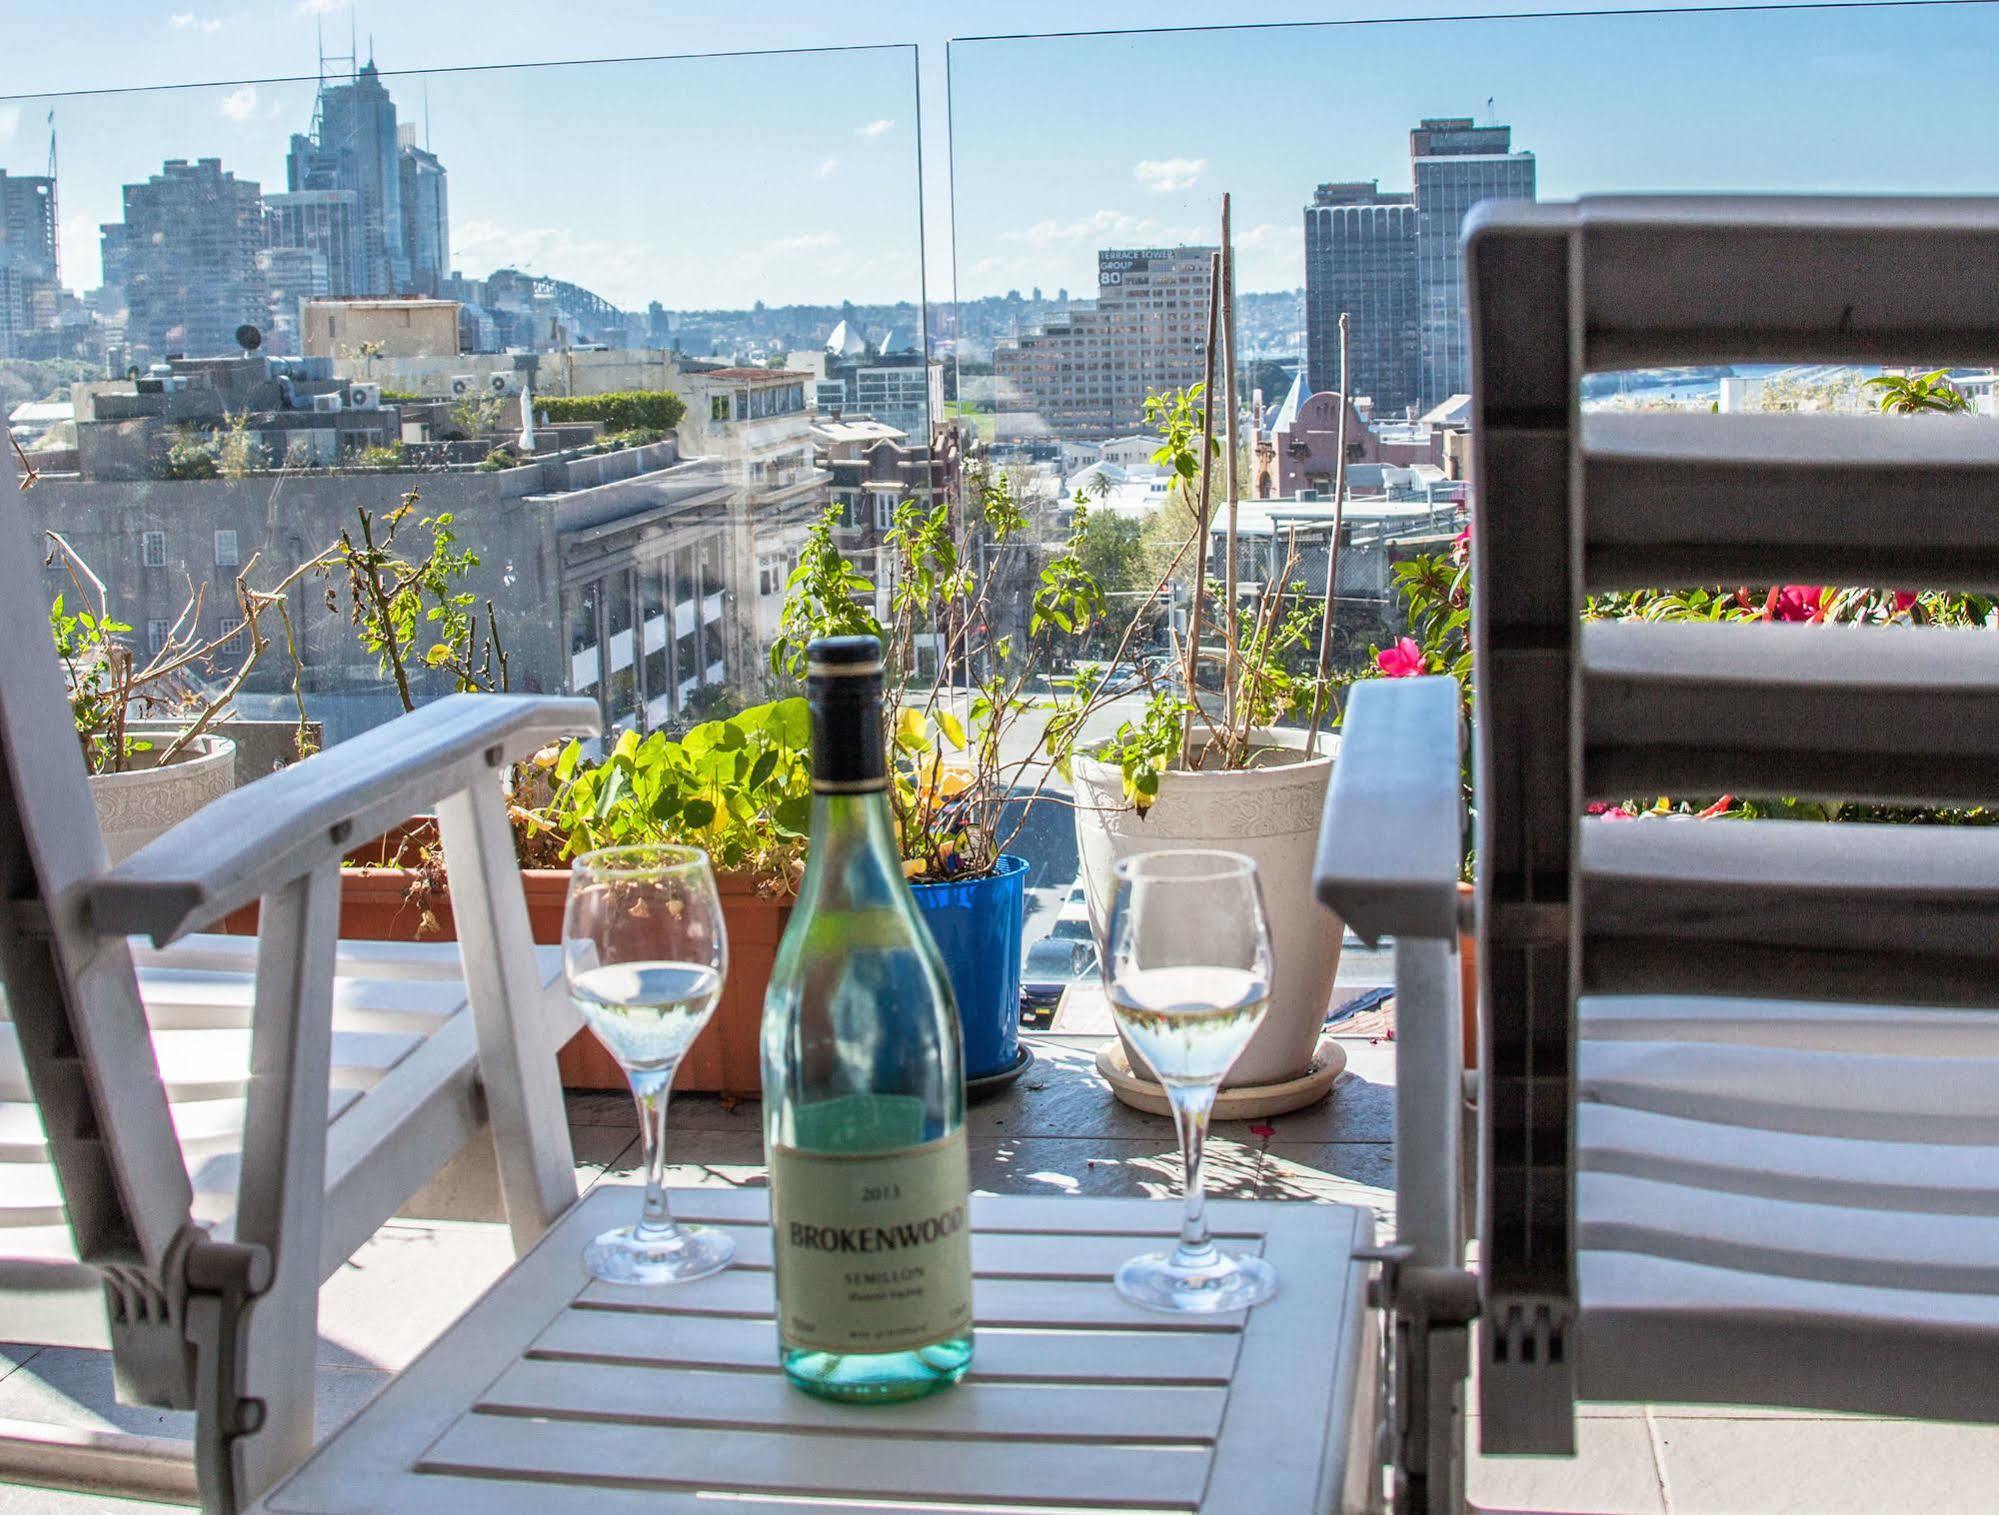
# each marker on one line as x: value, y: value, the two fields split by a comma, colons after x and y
x: 74, y: 997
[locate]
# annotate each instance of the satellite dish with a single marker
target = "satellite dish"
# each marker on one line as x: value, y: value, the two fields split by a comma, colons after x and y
x: 248, y: 337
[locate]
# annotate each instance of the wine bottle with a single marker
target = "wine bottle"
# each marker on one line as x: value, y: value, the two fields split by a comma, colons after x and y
x: 864, y: 1085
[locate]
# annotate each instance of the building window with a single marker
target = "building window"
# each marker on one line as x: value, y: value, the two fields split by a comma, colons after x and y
x: 153, y: 549
x: 884, y: 510
x: 718, y: 408
x: 156, y: 637
x: 225, y: 549
x: 232, y: 634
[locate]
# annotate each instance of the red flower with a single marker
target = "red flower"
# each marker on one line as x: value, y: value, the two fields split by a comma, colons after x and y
x: 1402, y: 661
x: 1796, y: 602
x: 1904, y: 600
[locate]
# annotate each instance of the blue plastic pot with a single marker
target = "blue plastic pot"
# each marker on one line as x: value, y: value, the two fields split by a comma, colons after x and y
x: 978, y: 925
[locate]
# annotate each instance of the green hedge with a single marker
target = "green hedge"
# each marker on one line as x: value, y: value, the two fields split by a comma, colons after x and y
x: 622, y: 410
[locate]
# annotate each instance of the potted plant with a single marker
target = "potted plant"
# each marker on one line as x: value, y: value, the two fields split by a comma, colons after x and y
x: 1203, y: 764
x: 957, y: 799
x: 141, y: 787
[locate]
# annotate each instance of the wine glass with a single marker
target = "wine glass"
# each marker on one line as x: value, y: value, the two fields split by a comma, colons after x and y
x: 1188, y: 975
x: 645, y: 951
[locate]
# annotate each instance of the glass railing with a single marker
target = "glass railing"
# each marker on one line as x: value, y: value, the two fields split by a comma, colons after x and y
x: 503, y: 377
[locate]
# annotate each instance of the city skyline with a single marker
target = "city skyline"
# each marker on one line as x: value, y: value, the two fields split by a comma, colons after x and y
x: 1055, y: 115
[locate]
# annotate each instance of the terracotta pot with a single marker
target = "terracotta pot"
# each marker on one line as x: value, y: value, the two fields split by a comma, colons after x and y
x: 142, y: 803
x: 1270, y: 813
x: 725, y: 1057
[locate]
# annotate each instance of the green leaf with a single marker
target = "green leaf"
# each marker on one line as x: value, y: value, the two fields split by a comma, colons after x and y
x: 794, y: 815
x: 953, y: 729
x: 697, y: 813
x: 565, y: 765
x: 762, y: 769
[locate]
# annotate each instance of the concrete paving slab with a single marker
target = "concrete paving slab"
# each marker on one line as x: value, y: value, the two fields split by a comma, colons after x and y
x: 1844, y: 1466
x: 1613, y: 1473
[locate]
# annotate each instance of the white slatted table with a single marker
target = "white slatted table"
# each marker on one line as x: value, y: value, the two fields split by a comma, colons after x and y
x: 556, y: 1394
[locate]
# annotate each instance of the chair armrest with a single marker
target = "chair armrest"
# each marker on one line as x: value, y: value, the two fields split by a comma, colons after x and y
x: 258, y: 838
x: 1392, y: 842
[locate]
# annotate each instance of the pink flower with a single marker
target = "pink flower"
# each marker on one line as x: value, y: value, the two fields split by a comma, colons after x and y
x: 1608, y: 812
x: 1402, y: 661
x: 1796, y: 602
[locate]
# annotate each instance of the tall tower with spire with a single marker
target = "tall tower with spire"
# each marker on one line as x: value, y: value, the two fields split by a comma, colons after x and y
x: 353, y: 145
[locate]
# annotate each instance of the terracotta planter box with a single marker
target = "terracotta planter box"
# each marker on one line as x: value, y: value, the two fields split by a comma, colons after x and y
x: 725, y: 1058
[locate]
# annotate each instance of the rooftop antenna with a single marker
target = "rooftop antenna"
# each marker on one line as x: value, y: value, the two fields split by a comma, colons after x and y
x: 352, y: 51
x: 426, y: 112
x: 1491, y: 115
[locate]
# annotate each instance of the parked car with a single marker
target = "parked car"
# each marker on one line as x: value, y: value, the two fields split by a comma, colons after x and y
x: 1052, y: 965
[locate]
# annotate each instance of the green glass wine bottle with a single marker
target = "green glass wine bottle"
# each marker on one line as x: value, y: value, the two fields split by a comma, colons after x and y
x: 864, y: 1085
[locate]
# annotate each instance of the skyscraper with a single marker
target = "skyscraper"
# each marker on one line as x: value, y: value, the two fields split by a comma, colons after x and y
x: 326, y: 222
x: 1360, y: 258
x: 1454, y: 165
x: 426, y: 214
x: 27, y: 262
x: 189, y: 248
x: 1086, y: 374
x: 353, y: 146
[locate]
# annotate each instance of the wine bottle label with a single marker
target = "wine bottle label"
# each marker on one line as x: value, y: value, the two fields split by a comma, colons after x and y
x: 874, y: 1250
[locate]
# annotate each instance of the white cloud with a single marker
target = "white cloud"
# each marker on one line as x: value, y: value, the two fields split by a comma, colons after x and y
x: 320, y: 7
x: 182, y: 20
x: 879, y: 128
x: 240, y: 103
x: 825, y: 170
x: 1165, y: 175
x: 10, y: 120
x: 799, y: 243
x: 1264, y: 234
x: 1114, y: 225
x: 605, y: 267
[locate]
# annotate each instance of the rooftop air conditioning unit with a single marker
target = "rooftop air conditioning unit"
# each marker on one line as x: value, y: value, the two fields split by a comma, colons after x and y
x: 463, y: 384
x: 325, y: 404
x: 503, y: 383
x: 364, y: 396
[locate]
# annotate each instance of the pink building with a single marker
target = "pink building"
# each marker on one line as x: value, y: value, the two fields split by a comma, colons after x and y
x: 1298, y: 448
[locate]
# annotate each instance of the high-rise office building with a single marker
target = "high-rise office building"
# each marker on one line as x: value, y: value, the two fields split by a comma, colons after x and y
x: 426, y: 214
x: 28, y: 290
x: 324, y: 222
x: 353, y: 145
x: 189, y: 246
x: 1360, y: 258
x: 1455, y: 164
x: 1086, y: 374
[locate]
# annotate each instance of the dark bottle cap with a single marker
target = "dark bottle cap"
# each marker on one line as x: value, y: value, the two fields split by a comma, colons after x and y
x: 843, y: 682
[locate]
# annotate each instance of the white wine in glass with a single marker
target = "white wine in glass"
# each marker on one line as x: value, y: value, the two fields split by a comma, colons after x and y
x: 1188, y: 976
x: 645, y: 952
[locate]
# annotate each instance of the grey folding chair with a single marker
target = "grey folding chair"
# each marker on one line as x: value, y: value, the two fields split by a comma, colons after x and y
x: 178, y: 1173
x: 1739, y: 1084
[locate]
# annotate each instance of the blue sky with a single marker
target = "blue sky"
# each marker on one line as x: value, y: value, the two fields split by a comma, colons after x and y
x: 719, y: 181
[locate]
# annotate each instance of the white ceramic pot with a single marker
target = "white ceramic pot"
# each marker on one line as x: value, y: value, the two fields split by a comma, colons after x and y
x: 136, y: 806
x: 1270, y: 813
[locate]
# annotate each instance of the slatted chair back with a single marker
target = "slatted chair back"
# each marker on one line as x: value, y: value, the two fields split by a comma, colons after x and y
x: 1569, y: 505
x: 74, y: 995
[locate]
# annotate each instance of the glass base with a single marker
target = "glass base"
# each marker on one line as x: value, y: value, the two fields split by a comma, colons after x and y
x: 878, y: 1377
x: 633, y: 1255
x: 1159, y: 1282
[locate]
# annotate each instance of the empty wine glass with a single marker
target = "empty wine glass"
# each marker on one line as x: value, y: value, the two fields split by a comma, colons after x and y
x: 1188, y: 975
x: 645, y: 951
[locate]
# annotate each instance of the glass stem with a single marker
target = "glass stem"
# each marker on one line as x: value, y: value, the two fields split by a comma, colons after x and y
x: 1191, y: 1107
x: 651, y: 1092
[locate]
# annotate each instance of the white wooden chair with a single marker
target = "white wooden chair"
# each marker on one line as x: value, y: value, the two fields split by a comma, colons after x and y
x: 194, y: 1135
x: 1739, y: 1080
